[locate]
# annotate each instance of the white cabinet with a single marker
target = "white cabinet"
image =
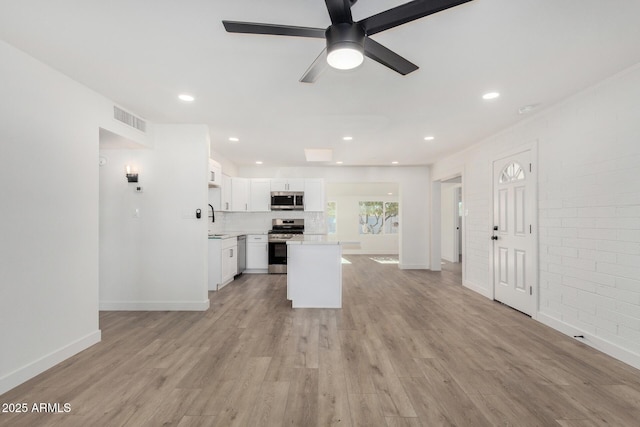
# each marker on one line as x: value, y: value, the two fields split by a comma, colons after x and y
x: 229, y: 262
x: 223, y: 262
x: 225, y: 194
x: 314, y: 200
x: 240, y: 194
x: 257, y: 253
x: 294, y: 184
x: 254, y: 195
x: 260, y: 195
x: 215, y: 174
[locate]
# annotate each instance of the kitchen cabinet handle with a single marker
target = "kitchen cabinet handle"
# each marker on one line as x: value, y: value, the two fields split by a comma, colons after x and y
x: 231, y: 253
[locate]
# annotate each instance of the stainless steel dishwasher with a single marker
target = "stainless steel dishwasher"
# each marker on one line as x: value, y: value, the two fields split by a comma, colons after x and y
x: 242, y: 254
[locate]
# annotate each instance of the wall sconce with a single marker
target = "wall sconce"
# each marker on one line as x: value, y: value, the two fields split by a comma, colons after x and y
x: 131, y: 173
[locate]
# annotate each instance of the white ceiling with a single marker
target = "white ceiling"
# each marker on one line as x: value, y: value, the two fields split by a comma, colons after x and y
x: 142, y: 54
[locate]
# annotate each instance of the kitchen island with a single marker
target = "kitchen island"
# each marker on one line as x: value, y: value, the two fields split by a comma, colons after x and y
x: 314, y: 272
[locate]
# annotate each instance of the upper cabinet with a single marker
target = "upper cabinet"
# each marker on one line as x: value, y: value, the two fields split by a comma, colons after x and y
x: 254, y: 195
x: 225, y: 194
x: 280, y: 184
x: 260, y: 195
x: 240, y: 194
x: 314, y: 195
x: 215, y: 174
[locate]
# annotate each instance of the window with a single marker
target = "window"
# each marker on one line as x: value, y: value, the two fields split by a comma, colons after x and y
x: 378, y: 218
x: 511, y: 172
x: 332, y: 208
x: 391, y: 220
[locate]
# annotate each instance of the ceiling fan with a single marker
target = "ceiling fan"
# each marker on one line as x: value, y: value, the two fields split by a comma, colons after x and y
x: 347, y: 41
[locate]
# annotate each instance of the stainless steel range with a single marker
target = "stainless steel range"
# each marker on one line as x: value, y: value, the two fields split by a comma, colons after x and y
x: 281, y: 231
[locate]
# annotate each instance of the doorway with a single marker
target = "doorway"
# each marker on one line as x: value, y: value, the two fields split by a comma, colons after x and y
x: 451, y: 220
x: 367, y: 213
x: 447, y: 225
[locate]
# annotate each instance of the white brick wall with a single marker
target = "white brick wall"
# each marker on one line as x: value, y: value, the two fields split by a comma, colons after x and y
x: 588, y: 211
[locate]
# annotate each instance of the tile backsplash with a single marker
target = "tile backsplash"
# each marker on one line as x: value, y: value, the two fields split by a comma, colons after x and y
x: 259, y: 222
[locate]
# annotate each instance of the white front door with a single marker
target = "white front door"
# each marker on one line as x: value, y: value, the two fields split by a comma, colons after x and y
x: 514, y: 249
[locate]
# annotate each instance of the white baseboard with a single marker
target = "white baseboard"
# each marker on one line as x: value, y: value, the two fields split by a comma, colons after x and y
x: 154, y: 305
x: 38, y: 366
x: 413, y: 266
x: 482, y: 291
x: 604, y: 346
x: 346, y: 251
x: 256, y: 271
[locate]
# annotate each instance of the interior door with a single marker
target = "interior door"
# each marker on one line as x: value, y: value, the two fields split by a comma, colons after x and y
x: 514, y: 252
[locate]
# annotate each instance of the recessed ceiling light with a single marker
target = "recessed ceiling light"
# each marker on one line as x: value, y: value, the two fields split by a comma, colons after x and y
x: 490, y: 95
x: 186, y: 97
x: 233, y: 139
x: 338, y: 162
x: 258, y: 162
x: 390, y: 194
x: 394, y: 163
x: 429, y: 138
x: 347, y: 138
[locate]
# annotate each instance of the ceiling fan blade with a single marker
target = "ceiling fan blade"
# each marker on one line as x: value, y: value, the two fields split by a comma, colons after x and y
x: 406, y: 13
x: 273, y: 29
x: 388, y: 58
x: 314, y: 71
x: 339, y: 11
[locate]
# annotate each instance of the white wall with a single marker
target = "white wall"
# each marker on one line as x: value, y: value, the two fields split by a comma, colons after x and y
x: 588, y: 207
x: 157, y: 261
x: 48, y: 216
x: 414, y: 197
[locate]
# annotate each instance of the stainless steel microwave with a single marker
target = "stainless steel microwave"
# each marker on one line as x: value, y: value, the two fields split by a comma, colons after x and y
x: 287, y: 201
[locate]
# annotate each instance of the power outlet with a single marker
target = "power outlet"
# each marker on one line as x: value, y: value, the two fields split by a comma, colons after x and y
x: 138, y: 189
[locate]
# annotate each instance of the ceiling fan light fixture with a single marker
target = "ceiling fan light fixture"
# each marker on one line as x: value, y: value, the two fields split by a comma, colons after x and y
x: 345, y: 57
x: 345, y: 46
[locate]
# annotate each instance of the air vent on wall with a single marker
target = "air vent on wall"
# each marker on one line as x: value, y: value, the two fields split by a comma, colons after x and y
x: 129, y: 119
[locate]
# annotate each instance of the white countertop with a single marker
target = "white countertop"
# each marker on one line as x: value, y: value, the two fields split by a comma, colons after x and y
x: 315, y: 239
x: 230, y: 234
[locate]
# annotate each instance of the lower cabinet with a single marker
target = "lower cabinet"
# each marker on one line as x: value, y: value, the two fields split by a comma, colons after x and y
x: 223, y: 262
x: 257, y: 253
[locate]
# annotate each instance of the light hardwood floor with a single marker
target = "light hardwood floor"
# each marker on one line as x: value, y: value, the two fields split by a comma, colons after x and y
x: 409, y: 348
